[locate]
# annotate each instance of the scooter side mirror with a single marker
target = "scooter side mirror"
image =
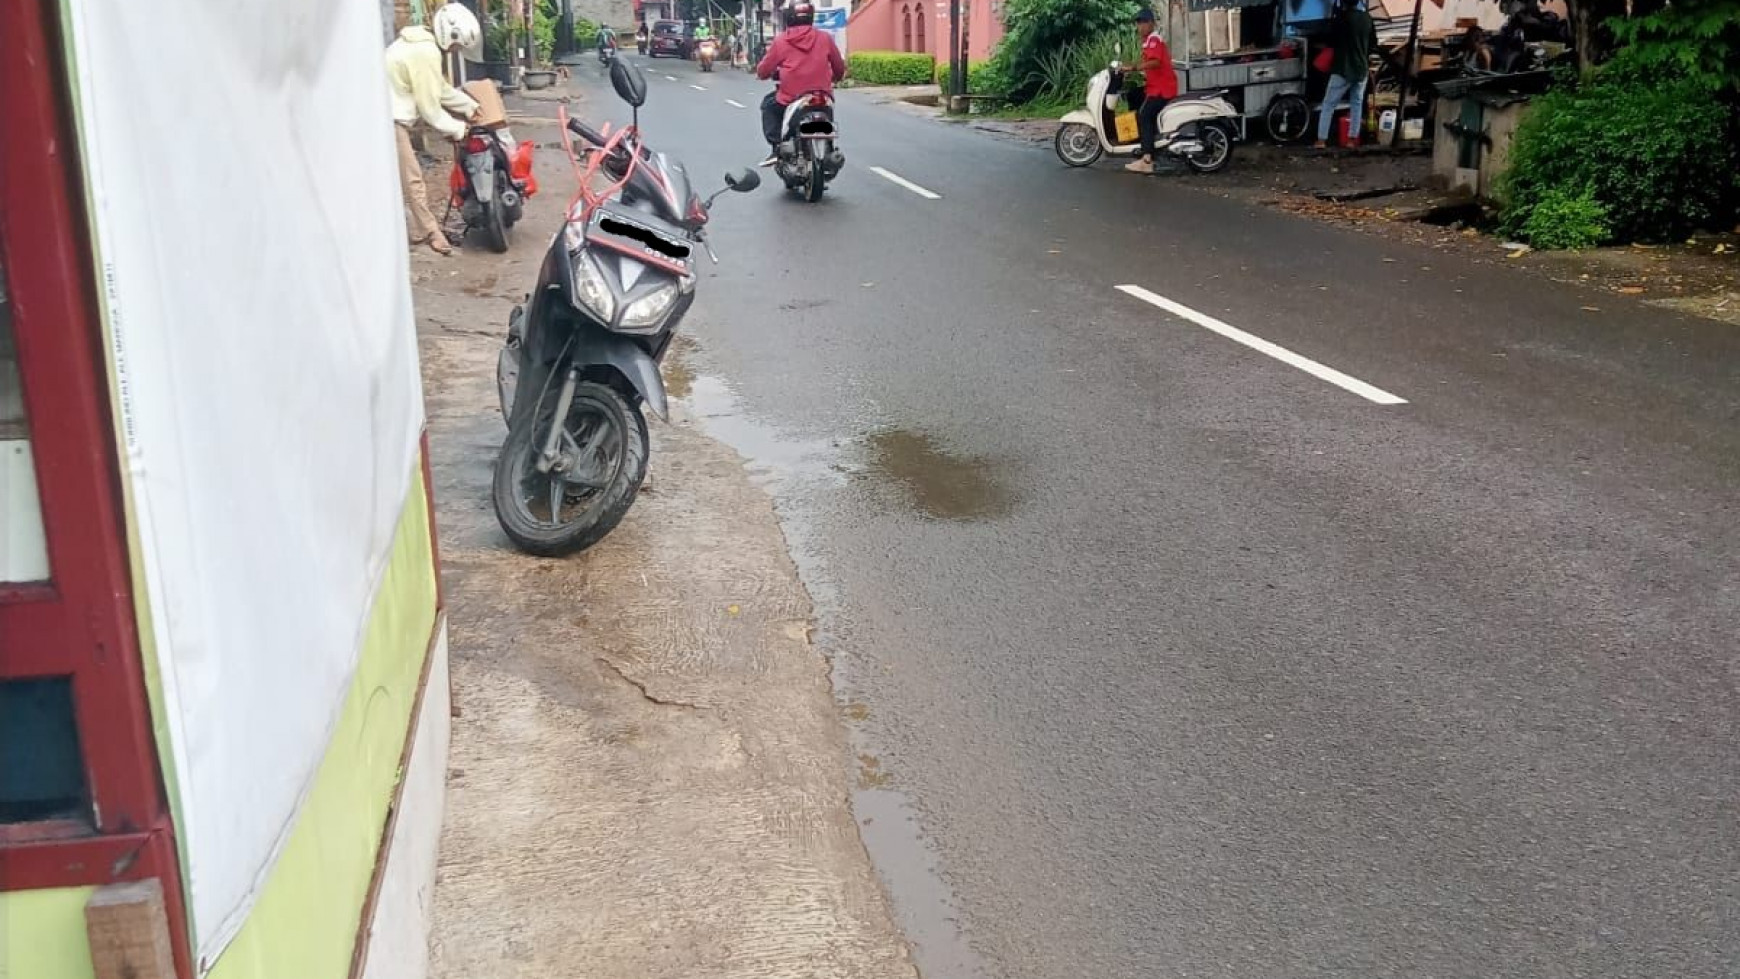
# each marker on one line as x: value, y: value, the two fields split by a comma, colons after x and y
x: 629, y: 83
x: 743, y: 181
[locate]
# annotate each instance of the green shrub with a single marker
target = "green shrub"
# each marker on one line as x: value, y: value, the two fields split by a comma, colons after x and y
x: 1658, y: 160
x: 585, y: 34
x: 890, y: 68
x: 1567, y: 220
x: 983, y: 77
x: 1039, y: 31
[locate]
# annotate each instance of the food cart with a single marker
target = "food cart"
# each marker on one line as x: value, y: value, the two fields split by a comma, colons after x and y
x: 1263, y: 81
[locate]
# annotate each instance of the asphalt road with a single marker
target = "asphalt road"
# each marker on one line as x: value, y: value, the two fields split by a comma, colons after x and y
x: 1187, y: 660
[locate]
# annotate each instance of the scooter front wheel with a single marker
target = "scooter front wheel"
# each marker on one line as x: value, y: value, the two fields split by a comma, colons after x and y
x: 1078, y: 145
x: 603, y: 448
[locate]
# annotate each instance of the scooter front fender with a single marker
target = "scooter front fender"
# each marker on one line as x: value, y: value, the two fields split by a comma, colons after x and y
x: 600, y: 348
x: 1079, y: 115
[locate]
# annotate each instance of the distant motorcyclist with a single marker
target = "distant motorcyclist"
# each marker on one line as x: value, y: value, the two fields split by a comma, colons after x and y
x: 804, y: 60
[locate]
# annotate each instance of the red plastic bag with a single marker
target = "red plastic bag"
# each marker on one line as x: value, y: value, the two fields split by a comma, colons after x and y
x: 456, y: 185
x: 1325, y: 58
x: 520, y: 165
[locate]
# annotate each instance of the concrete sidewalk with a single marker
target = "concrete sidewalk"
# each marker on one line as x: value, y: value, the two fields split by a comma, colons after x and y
x: 649, y: 774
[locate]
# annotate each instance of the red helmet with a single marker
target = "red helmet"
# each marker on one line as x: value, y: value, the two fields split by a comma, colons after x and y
x: 800, y: 13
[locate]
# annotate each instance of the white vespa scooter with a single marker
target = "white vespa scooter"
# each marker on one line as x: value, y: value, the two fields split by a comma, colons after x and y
x: 1198, y: 128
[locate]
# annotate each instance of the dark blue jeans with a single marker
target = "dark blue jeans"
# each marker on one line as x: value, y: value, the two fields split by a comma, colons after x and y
x: 1148, y: 122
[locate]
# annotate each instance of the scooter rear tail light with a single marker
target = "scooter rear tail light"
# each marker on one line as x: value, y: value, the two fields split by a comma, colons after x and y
x: 476, y: 144
x: 820, y: 101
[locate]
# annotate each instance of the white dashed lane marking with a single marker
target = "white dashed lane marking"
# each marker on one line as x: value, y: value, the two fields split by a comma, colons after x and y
x: 1376, y: 395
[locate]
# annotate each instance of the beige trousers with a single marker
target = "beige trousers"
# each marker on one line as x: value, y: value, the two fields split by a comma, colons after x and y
x: 419, y: 220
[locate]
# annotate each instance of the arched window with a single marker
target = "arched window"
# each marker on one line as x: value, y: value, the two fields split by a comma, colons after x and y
x: 918, y: 32
x: 905, y: 28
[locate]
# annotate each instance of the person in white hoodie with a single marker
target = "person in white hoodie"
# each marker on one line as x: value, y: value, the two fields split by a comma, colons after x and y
x: 422, y: 95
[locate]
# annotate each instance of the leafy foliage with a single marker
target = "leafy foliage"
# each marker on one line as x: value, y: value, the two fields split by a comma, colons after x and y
x: 983, y: 77
x: 1567, y: 220
x: 1697, y: 40
x: 585, y: 34
x: 1060, y: 76
x: 890, y: 68
x: 1044, y: 43
x: 1658, y: 159
x: 544, y: 31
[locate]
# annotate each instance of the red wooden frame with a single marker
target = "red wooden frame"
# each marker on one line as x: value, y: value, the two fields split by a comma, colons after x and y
x: 81, y: 622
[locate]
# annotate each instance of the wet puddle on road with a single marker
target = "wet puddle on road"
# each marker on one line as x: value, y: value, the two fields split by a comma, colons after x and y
x: 925, y: 907
x: 932, y: 480
x: 938, y: 484
x: 898, y: 469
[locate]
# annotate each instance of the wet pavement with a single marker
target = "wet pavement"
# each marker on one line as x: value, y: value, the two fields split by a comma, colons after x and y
x: 1167, y: 655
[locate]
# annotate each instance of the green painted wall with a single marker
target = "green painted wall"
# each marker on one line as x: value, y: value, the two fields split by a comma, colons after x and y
x: 42, y: 933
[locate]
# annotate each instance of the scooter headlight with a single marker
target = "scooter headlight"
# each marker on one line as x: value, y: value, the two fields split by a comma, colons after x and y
x: 590, y: 288
x: 650, y: 310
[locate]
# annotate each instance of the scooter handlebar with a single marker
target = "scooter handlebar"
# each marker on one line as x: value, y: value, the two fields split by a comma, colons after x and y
x: 585, y: 132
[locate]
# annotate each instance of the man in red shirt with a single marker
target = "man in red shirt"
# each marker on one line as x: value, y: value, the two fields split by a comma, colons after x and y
x: 1160, y: 85
x: 806, y: 61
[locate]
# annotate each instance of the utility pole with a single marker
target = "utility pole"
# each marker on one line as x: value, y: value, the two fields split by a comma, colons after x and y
x: 966, y: 64
x: 1409, y: 60
x: 955, y: 83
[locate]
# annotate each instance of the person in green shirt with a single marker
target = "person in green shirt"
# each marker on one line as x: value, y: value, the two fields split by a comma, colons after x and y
x: 1353, y: 40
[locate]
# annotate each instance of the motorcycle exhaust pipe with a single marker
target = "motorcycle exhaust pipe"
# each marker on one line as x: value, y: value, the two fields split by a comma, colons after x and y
x: 510, y: 198
x: 1188, y: 147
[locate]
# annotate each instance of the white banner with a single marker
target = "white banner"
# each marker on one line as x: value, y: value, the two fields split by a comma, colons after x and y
x: 249, y: 227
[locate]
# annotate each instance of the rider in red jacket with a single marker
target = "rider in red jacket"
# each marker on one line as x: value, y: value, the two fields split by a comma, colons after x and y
x: 805, y: 60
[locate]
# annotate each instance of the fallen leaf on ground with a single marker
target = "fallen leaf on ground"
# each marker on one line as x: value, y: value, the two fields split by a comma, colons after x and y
x: 1630, y: 290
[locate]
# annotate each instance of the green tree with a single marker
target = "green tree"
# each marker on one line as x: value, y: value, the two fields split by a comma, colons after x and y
x: 1697, y: 40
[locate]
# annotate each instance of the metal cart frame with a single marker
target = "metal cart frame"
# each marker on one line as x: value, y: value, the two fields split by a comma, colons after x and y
x: 1256, y: 82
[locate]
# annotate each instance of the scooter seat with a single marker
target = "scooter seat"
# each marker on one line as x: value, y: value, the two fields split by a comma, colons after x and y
x: 1202, y: 96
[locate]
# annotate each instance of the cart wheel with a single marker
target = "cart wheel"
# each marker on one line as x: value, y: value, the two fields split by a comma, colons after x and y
x: 1288, y: 118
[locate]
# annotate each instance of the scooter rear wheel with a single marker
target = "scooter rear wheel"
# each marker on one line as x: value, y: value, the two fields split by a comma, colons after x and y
x: 817, y: 182
x: 1078, y: 145
x: 1216, y: 150
x: 495, y: 225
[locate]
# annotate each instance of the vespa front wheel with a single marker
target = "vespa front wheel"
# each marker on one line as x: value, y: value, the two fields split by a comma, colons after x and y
x: 600, y: 463
x: 1078, y: 145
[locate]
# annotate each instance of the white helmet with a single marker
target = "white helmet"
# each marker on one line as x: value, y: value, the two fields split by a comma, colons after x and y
x: 456, y: 27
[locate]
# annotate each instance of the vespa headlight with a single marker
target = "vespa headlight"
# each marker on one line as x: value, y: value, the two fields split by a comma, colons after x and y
x: 591, y: 289
x: 650, y: 310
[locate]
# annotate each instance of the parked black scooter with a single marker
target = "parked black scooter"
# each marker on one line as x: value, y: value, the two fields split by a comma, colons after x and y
x: 581, y: 358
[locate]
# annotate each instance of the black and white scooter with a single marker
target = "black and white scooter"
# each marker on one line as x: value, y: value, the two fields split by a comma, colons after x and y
x: 581, y: 358
x: 1198, y: 128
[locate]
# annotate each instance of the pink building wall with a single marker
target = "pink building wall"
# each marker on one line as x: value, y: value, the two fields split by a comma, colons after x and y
x: 923, y: 26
